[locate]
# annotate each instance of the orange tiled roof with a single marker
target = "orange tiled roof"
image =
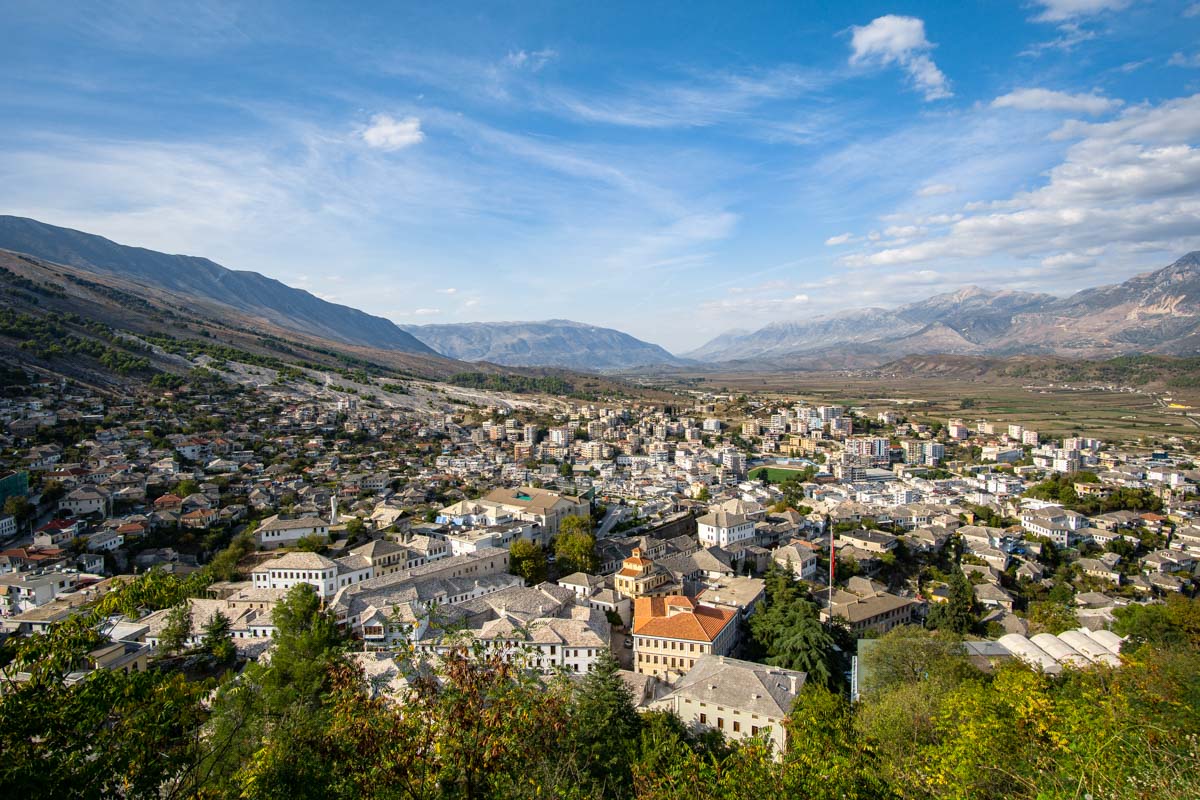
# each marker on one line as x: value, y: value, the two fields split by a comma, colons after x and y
x: 692, y: 621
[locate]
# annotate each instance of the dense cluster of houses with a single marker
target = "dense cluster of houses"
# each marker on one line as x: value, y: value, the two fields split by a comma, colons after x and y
x: 402, y: 520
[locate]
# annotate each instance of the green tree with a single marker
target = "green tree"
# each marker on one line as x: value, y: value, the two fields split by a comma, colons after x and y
x: 528, y: 560
x: 959, y: 614
x: 177, y: 630
x: 312, y: 543
x: 19, y: 508
x: 605, y: 729
x: 218, y: 640
x: 826, y: 758
x: 223, y: 566
x: 575, y: 547
x: 355, y: 528
x: 786, y: 628
x: 909, y: 654
x: 53, y: 491
x: 1049, y: 616
x: 1172, y: 625
x: 306, y: 641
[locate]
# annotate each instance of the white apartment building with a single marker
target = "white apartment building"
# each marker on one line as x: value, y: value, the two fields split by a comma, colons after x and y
x: 324, y: 574
x: 721, y: 529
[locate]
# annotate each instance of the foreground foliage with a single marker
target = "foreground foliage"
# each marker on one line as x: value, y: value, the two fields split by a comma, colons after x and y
x: 307, y: 723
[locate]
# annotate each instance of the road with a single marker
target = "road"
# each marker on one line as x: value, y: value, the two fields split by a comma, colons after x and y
x: 615, y: 516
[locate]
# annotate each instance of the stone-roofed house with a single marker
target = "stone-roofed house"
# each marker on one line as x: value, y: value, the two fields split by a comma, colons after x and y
x: 325, y: 575
x: 385, y: 556
x: 740, y: 699
x: 546, y: 508
x: 722, y: 528
x: 582, y: 584
x: 799, y: 558
x: 740, y: 593
x: 87, y: 500
x: 870, y: 541
x: 276, y: 531
x: 865, y: 605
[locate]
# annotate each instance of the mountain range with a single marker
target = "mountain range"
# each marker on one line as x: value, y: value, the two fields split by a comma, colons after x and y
x: 1156, y: 312
x: 554, y: 342
x: 207, y: 281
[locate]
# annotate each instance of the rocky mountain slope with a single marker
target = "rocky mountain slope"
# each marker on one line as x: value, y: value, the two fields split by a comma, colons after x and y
x: 1157, y: 312
x: 205, y: 280
x: 555, y: 342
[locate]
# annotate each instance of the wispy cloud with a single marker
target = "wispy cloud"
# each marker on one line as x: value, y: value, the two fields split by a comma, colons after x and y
x: 1064, y: 10
x: 1048, y: 100
x: 533, y: 60
x: 688, y: 102
x: 935, y: 190
x: 1124, y: 184
x: 1071, y: 16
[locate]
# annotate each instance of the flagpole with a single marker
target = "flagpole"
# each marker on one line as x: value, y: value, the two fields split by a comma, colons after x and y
x: 833, y: 563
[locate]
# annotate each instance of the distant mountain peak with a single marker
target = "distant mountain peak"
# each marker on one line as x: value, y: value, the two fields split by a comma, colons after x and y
x: 1190, y: 260
x: 545, y: 343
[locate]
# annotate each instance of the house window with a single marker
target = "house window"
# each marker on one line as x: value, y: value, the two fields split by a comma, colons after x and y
x: 737, y: 726
x: 720, y: 723
x: 703, y: 719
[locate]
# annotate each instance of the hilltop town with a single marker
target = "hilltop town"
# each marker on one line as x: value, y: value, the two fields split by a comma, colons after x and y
x: 648, y: 531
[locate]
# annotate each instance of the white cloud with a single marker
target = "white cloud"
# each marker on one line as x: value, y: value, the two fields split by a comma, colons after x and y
x: 1180, y: 60
x: 893, y: 39
x: 1069, y: 16
x: 841, y: 238
x: 426, y: 312
x: 1192, y: 11
x: 764, y: 305
x: 1069, y: 261
x: 1048, y: 100
x: 935, y: 189
x: 1064, y: 10
x: 386, y: 133
x: 1133, y: 66
x: 450, y: 290
x: 1125, y: 184
x: 1071, y: 35
x: 530, y: 60
x: 700, y: 101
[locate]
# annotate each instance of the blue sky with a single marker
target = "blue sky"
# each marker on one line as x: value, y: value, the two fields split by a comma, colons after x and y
x: 672, y: 170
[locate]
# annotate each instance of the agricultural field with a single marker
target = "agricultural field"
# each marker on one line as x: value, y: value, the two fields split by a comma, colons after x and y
x: 1052, y: 410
